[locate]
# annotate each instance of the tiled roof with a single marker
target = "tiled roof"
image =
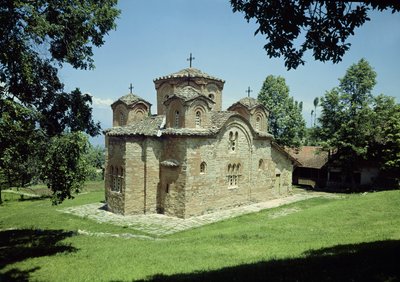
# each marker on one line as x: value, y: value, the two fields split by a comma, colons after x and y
x: 130, y: 99
x: 310, y: 156
x: 218, y: 119
x: 187, y: 93
x: 249, y: 102
x: 154, y: 126
x: 189, y: 72
x: 148, y: 127
x: 286, y: 152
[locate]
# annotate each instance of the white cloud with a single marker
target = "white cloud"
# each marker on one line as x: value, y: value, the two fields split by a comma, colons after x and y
x: 101, y: 103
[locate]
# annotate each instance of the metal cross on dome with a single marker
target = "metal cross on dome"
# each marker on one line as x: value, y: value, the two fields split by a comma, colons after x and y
x: 131, y: 88
x: 190, y: 59
x: 248, y: 91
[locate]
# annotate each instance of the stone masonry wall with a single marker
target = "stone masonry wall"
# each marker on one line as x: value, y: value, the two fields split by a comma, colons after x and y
x: 135, y: 176
x: 115, y: 157
x: 283, y: 172
x: 171, y: 190
x: 152, y: 173
x: 221, y: 185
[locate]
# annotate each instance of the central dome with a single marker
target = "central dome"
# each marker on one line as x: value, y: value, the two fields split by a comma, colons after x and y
x: 188, y: 73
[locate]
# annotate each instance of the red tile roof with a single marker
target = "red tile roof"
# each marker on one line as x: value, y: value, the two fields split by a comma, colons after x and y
x: 310, y: 156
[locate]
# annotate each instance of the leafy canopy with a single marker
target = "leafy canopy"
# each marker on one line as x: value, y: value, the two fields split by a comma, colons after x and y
x: 286, y: 122
x: 323, y: 27
x: 355, y: 125
x: 36, y: 38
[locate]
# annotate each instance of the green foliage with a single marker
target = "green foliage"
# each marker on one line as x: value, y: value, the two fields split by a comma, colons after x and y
x: 95, y: 158
x: 36, y: 38
x: 286, y: 122
x: 64, y: 168
x: 18, y: 135
x: 355, y: 125
x: 385, y: 145
x: 323, y: 26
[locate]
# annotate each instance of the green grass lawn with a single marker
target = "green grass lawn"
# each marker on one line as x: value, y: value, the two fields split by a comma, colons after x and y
x: 352, y: 238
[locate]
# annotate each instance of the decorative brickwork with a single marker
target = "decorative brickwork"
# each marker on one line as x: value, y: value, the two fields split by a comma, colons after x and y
x: 191, y: 158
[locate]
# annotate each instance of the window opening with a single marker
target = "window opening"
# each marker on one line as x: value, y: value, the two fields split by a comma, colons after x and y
x: 233, y: 174
x: 203, y: 166
x: 258, y: 120
x: 198, y: 118
x: 177, y: 119
x: 121, y: 119
x: 233, y: 141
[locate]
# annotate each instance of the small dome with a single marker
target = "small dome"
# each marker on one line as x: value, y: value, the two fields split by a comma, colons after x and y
x: 249, y: 102
x: 190, y: 73
x: 130, y: 99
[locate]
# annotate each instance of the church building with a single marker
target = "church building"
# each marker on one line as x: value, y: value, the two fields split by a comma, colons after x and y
x: 191, y: 158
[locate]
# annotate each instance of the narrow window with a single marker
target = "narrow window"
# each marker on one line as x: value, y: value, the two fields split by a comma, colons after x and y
x: 176, y: 118
x: 233, y: 140
x: 258, y: 120
x: 121, y: 179
x: 203, y: 166
x: 121, y: 119
x: 116, y: 179
x: 111, y: 177
x: 260, y: 164
x: 198, y: 118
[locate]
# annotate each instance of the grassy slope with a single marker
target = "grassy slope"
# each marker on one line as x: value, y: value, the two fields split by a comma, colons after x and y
x: 224, y: 248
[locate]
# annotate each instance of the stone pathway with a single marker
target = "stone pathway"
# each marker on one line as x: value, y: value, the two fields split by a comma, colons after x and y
x: 159, y: 225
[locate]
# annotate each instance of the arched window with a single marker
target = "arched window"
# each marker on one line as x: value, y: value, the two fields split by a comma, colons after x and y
x: 260, y: 164
x: 258, y: 122
x: 233, y: 141
x: 121, y: 119
x: 176, y: 124
x: 203, y: 167
x: 198, y: 118
x: 233, y: 174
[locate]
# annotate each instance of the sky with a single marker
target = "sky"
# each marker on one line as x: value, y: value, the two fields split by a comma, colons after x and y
x: 154, y: 38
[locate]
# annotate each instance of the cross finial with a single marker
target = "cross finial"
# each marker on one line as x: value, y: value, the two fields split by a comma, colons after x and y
x: 131, y: 88
x: 190, y: 59
x: 248, y: 91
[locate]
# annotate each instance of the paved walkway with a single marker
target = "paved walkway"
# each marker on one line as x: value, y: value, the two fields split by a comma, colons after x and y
x: 159, y: 225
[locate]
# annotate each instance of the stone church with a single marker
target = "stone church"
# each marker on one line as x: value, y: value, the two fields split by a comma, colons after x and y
x: 191, y: 157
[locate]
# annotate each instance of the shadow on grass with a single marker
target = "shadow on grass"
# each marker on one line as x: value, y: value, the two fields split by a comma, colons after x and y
x: 31, y: 199
x: 21, y: 244
x: 375, y: 261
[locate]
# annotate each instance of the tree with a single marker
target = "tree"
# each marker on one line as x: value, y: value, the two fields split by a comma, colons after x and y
x: 385, y: 145
x: 95, y: 158
x: 325, y: 25
x: 316, y: 102
x: 37, y: 37
x: 346, y: 121
x: 286, y: 122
